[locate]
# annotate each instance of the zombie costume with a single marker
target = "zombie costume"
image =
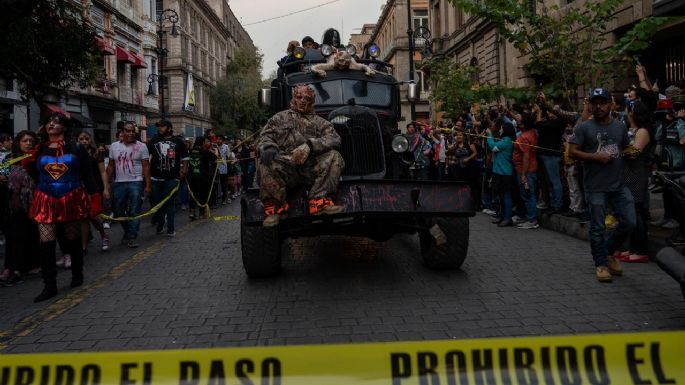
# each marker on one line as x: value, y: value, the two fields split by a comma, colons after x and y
x: 287, y: 131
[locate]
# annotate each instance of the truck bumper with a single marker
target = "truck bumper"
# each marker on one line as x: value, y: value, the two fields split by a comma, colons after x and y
x: 378, y: 198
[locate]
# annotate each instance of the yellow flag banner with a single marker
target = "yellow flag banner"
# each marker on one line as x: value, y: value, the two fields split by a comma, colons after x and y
x: 632, y: 358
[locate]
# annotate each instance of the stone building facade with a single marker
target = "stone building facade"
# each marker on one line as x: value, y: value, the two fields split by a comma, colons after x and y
x: 391, y: 37
x: 126, y: 38
x: 361, y: 39
x: 471, y: 41
x: 209, y: 36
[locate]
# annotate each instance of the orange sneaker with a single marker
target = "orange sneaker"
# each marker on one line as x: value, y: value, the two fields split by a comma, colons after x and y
x: 274, y: 214
x: 318, y: 206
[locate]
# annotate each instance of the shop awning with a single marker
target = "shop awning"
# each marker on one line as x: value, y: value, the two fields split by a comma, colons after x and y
x: 105, y: 47
x: 140, y: 61
x: 124, y: 55
x: 55, y: 109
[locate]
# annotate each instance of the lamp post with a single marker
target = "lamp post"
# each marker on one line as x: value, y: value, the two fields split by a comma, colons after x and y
x: 164, y: 17
x: 410, y: 38
x: 424, y: 35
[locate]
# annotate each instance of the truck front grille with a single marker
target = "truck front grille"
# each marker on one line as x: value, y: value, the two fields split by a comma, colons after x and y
x: 362, y: 142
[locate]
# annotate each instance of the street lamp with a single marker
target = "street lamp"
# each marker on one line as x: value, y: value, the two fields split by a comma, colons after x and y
x: 164, y: 17
x: 424, y: 34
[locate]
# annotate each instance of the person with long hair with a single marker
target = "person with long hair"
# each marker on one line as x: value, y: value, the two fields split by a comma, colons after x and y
x: 21, y: 256
x: 502, y: 147
x: 636, y: 172
x: 97, y: 164
x: 65, y: 180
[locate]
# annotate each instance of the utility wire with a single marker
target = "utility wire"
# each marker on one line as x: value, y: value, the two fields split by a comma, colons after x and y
x: 291, y: 13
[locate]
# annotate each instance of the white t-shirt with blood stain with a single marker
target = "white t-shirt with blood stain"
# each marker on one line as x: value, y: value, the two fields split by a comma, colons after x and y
x: 128, y: 160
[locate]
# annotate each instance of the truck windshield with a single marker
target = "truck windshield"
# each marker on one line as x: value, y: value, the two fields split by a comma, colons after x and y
x: 339, y: 92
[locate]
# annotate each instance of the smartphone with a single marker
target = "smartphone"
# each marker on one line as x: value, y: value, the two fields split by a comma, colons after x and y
x: 637, y: 60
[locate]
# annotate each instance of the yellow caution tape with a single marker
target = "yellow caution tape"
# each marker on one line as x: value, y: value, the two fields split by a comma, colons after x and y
x: 15, y: 160
x: 634, y: 358
x: 226, y: 218
x: 208, y: 212
x: 145, y: 214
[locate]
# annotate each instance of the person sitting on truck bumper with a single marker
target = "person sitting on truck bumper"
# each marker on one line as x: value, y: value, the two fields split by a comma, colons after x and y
x: 298, y: 147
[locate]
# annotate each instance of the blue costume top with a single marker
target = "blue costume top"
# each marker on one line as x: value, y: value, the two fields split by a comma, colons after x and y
x: 58, y: 175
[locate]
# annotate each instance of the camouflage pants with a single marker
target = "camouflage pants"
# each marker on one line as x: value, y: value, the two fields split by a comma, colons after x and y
x: 322, y: 172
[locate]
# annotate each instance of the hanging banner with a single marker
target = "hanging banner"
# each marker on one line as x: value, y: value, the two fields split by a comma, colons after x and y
x: 189, y: 104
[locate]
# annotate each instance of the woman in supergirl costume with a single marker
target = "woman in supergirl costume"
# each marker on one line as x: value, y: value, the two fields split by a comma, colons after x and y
x: 61, y: 198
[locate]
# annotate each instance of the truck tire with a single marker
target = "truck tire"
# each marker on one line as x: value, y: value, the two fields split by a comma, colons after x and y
x: 261, y: 249
x: 452, y: 253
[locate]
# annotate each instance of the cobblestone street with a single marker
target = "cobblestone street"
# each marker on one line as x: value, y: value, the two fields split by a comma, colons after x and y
x: 191, y: 291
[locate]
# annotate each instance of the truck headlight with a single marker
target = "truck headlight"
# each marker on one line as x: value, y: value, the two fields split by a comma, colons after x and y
x: 351, y: 49
x: 400, y: 143
x: 326, y: 50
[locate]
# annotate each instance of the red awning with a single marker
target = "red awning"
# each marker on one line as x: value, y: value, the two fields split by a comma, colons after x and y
x: 106, y: 48
x: 55, y: 109
x: 140, y: 61
x: 124, y: 55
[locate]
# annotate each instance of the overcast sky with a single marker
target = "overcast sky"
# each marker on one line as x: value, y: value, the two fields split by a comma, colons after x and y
x: 272, y: 37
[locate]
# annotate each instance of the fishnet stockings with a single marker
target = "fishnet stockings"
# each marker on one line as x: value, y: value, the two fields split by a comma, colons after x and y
x: 48, y: 231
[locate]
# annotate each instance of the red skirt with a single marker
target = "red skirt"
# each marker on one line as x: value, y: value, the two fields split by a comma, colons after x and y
x: 95, y: 205
x: 74, y: 206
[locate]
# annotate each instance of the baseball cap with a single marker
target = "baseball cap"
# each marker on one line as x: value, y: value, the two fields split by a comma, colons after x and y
x: 600, y: 93
x: 165, y: 122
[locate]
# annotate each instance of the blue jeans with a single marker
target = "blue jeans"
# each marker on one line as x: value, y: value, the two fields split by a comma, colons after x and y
x: 552, y: 165
x: 128, y: 199
x: 529, y: 197
x: 160, y: 189
x: 183, y: 193
x: 624, y: 209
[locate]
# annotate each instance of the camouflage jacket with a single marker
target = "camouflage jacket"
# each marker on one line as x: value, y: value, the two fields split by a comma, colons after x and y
x: 289, y: 129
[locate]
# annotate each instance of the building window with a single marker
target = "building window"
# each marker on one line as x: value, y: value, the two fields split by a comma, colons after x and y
x: 421, y: 81
x: 475, y: 76
x: 420, y: 18
x: 121, y: 73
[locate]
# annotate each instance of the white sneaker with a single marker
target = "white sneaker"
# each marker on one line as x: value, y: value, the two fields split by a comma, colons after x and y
x: 516, y: 219
x: 60, y: 261
x: 105, y: 225
x: 67, y: 261
x: 670, y: 224
x: 542, y: 205
x: 105, y: 244
x: 489, y: 212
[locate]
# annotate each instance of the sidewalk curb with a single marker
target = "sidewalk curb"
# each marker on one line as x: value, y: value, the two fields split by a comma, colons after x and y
x: 574, y: 228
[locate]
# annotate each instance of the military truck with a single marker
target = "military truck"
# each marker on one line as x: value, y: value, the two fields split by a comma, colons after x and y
x: 365, y: 112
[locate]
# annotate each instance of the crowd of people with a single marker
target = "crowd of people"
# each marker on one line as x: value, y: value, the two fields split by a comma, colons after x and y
x: 56, y: 184
x: 524, y: 160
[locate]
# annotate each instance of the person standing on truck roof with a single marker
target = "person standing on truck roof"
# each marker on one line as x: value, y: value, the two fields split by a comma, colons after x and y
x: 298, y: 147
x: 309, y: 43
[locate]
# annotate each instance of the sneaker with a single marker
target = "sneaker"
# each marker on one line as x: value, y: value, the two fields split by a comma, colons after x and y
x: 105, y: 225
x: 60, y: 261
x: 45, y: 294
x: 517, y: 220
x: 184, y: 207
x: 160, y: 227
x: 528, y: 225
x: 489, y: 212
x: 15, y: 279
x: 670, y: 224
x: 675, y: 241
x: 660, y: 222
x: 319, y: 206
x: 171, y: 234
x: 132, y: 243
x: 67, y: 261
x: 614, y: 266
x: 5, y: 275
x: 105, y: 244
x: 274, y: 215
x: 542, y: 205
x: 603, y: 274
